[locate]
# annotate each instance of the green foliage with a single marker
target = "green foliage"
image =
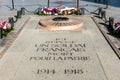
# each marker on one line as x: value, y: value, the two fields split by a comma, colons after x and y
x: 46, y: 14
x: 12, y: 29
x: 6, y: 31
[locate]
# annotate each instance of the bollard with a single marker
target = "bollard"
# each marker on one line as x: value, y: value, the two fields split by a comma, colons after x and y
x: 23, y: 11
x: 77, y: 12
x: 11, y: 21
x: 82, y: 11
x: 18, y: 14
x: 111, y: 22
x: 103, y: 15
x: 39, y: 11
x: 16, y: 18
x: 99, y: 10
x: 1, y: 36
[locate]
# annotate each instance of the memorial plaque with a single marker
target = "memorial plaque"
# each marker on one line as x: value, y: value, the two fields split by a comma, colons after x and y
x: 60, y: 55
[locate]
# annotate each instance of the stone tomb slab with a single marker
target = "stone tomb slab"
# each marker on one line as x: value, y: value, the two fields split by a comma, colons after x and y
x: 53, y: 55
x: 64, y: 56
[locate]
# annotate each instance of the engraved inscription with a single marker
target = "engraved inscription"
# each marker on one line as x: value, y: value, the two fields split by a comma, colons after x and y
x: 64, y: 71
x: 46, y: 58
x: 46, y: 71
x: 60, y: 49
x: 73, y: 71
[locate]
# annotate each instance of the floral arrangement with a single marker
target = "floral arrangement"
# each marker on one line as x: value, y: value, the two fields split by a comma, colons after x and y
x: 51, y: 11
x: 117, y: 27
x: 5, y: 25
x: 56, y: 11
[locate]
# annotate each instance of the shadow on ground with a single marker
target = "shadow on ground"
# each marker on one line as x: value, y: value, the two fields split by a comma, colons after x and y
x: 111, y: 31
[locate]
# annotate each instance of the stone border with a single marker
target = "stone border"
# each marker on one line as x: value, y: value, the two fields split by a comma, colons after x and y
x: 70, y: 24
x: 13, y: 39
x: 115, y: 49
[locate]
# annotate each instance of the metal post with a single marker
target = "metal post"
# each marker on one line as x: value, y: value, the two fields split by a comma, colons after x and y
x: 82, y: 11
x: 19, y: 14
x: 48, y: 3
x: 11, y: 21
x: 22, y: 11
x: 99, y: 10
x: 77, y: 3
x: 39, y: 11
x: 1, y: 36
x: 111, y: 22
x: 12, y: 4
x: 103, y: 15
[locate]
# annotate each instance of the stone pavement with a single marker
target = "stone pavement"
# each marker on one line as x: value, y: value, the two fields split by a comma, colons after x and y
x: 110, y: 12
x: 5, y: 12
x: 29, y: 58
x: 41, y: 54
x: 7, y: 41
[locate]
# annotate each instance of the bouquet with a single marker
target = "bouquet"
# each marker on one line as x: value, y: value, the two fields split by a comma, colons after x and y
x: 5, y: 25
